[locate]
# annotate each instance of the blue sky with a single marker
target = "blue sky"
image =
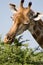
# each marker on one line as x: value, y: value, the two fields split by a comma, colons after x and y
x: 5, y: 13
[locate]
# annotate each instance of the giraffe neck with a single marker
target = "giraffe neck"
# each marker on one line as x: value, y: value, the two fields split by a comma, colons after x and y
x: 36, y: 29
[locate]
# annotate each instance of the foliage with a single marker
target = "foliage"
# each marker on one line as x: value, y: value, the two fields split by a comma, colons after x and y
x: 14, y: 54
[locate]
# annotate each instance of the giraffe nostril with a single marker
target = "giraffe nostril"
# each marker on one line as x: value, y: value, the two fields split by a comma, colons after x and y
x: 8, y: 37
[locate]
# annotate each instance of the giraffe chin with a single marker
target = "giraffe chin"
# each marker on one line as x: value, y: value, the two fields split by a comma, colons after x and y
x: 5, y: 39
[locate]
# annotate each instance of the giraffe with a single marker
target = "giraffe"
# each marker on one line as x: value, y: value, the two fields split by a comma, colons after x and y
x: 35, y: 28
x: 20, y: 17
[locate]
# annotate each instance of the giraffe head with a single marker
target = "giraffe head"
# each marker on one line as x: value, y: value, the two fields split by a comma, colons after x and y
x: 20, y: 17
x: 21, y: 12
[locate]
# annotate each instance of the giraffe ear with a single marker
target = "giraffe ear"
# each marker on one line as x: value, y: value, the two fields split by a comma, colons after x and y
x: 13, y: 6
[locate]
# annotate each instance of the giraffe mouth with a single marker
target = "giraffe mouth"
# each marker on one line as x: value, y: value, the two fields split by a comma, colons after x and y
x: 7, y: 39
